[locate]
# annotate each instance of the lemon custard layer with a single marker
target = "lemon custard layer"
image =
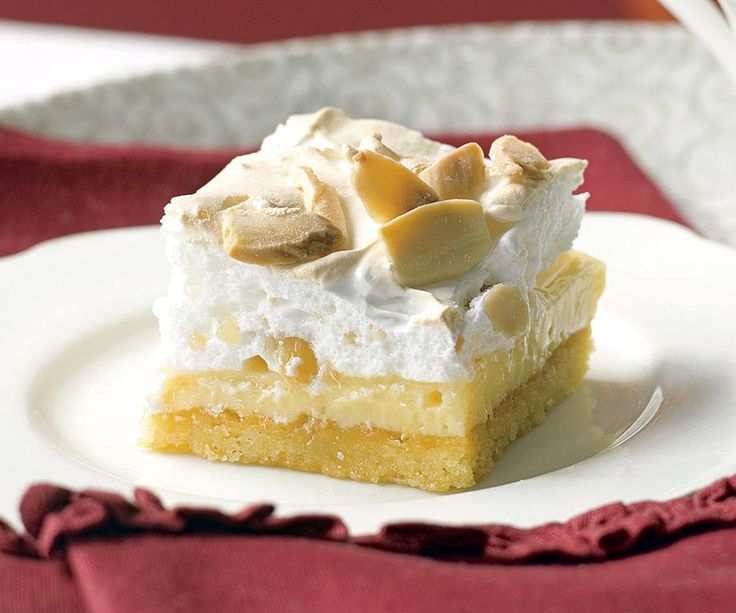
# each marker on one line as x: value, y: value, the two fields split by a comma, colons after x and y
x: 357, y: 300
x: 369, y: 453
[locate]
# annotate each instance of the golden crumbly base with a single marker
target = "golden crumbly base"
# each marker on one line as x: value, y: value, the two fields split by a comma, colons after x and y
x: 436, y: 463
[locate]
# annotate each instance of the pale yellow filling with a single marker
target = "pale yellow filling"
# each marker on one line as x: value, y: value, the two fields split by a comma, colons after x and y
x: 436, y: 463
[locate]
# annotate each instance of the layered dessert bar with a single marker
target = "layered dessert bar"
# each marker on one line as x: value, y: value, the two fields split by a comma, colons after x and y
x: 357, y: 300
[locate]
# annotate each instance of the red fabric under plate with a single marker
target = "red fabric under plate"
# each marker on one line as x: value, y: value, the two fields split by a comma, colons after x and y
x: 98, y: 552
x: 260, y: 20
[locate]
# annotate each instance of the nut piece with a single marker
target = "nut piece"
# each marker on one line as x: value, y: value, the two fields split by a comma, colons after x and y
x: 387, y: 188
x: 197, y: 341
x: 277, y: 236
x: 255, y: 364
x: 295, y: 357
x: 322, y: 199
x: 459, y: 174
x: 437, y: 241
x: 228, y: 330
x: 374, y: 142
x: 507, y: 309
x: 518, y: 159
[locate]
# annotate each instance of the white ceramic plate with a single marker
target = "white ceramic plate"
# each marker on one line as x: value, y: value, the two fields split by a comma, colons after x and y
x: 655, y: 418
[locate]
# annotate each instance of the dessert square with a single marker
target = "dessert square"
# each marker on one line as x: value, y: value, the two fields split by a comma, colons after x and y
x: 357, y: 300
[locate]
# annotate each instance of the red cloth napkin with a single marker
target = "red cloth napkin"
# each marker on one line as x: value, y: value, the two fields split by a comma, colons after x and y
x: 94, y: 551
x: 227, y: 20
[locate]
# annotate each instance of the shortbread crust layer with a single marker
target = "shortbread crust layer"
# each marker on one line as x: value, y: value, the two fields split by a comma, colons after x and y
x: 430, y: 462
